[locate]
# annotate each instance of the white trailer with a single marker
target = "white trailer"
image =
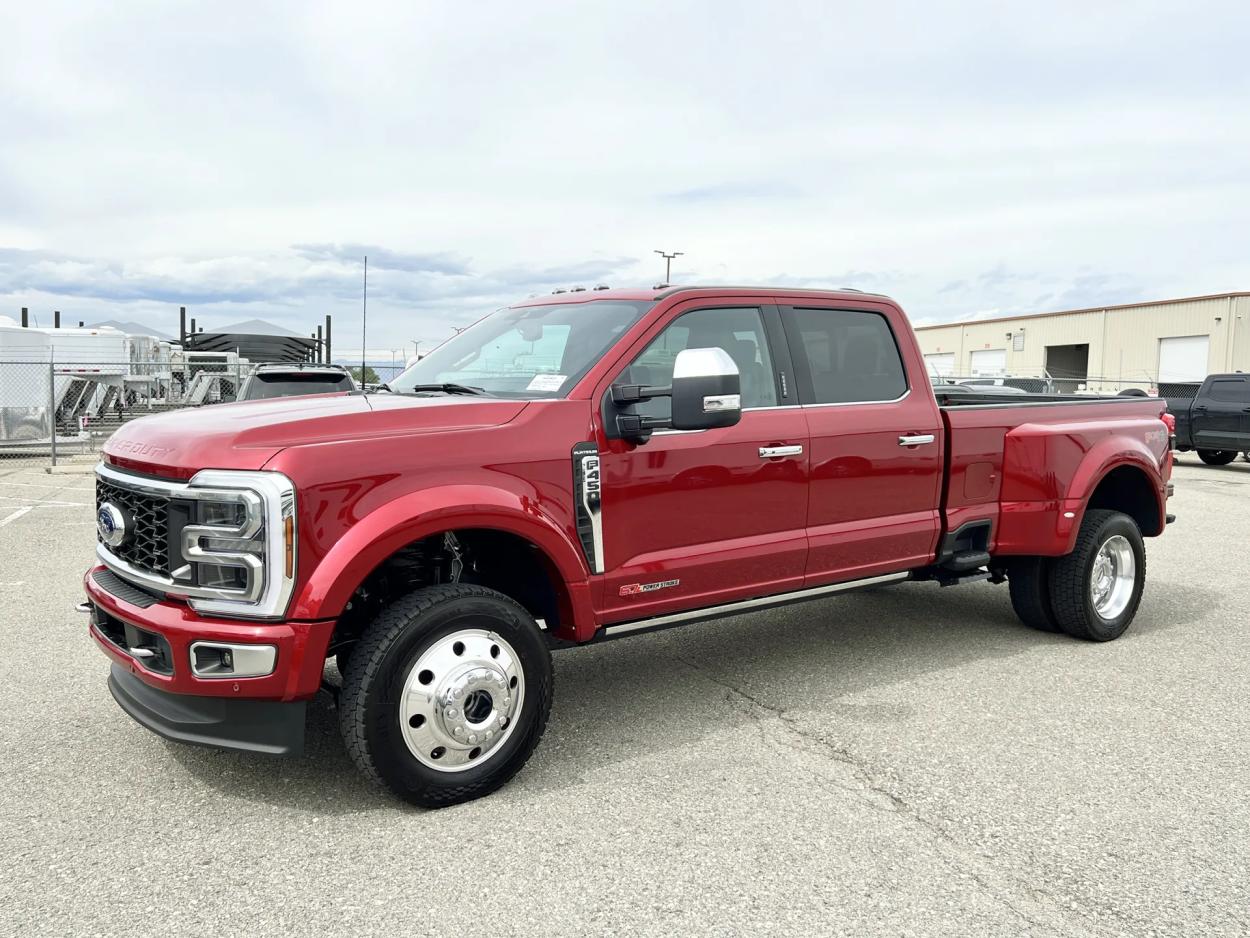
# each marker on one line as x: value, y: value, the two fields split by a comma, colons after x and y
x: 25, y: 403
x: 55, y: 377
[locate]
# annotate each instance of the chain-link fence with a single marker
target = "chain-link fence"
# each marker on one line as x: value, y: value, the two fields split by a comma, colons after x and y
x: 61, y: 410
x: 54, y: 411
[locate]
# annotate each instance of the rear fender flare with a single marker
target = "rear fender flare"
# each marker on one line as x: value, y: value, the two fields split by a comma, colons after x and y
x: 1049, y: 470
x: 1087, y: 482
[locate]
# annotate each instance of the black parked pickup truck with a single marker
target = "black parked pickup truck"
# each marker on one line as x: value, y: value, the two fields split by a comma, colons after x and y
x: 1216, y: 422
x: 297, y: 378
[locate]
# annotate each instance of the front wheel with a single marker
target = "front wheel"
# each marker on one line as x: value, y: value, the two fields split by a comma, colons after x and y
x: 1217, y: 457
x: 446, y: 694
x: 1095, y: 590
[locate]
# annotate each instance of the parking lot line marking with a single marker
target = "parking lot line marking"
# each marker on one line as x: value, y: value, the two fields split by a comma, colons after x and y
x: 13, y: 517
x: 41, y: 485
x: 44, y: 502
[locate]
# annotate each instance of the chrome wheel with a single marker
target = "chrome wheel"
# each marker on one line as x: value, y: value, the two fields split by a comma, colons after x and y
x: 1113, y: 577
x: 461, y: 699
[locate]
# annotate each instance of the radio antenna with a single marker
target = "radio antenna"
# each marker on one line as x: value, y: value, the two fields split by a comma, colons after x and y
x: 364, y: 321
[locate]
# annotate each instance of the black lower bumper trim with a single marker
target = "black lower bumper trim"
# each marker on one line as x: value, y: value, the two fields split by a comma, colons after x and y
x: 263, y: 726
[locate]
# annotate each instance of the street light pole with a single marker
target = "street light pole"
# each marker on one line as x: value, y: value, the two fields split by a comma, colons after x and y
x: 668, y: 262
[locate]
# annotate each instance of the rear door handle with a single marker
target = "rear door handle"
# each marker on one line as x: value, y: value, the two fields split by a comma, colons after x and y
x: 772, y: 452
x: 915, y: 439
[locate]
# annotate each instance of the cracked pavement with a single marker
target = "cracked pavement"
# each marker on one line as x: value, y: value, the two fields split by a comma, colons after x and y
x: 906, y: 760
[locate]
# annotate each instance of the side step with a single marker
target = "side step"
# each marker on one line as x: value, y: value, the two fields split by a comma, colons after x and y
x: 745, y: 605
x: 958, y: 579
x: 967, y: 560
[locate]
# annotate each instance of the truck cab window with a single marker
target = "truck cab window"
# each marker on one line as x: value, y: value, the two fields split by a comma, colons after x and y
x: 845, y: 356
x: 1236, y: 390
x: 739, y: 331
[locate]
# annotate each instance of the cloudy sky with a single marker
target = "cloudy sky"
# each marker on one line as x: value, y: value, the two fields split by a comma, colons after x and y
x: 970, y: 159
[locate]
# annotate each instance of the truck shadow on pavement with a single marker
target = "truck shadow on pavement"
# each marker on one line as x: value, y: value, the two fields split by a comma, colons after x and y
x: 629, y: 699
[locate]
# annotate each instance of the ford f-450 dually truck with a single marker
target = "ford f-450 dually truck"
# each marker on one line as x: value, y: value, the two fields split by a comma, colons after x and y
x: 579, y: 467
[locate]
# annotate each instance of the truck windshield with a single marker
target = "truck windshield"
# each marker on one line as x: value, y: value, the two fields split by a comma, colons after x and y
x: 526, y: 351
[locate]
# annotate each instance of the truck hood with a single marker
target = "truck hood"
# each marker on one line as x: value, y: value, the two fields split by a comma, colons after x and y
x: 247, y: 435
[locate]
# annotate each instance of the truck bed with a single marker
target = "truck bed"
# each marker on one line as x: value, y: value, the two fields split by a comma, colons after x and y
x: 1014, y: 459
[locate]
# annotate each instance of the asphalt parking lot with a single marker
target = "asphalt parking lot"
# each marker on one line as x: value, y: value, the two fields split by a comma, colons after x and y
x: 905, y: 761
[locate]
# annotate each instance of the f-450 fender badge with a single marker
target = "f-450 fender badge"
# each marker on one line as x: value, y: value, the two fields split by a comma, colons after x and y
x: 634, y: 589
x: 587, y: 492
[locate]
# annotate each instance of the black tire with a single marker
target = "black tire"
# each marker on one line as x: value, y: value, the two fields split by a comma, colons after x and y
x: 1028, y: 579
x: 378, y: 668
x: 1070, y: 578
x: 1217, y: 457
x: 342, y: 657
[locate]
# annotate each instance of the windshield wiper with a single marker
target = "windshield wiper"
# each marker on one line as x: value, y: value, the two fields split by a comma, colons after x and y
x: 446, y: 388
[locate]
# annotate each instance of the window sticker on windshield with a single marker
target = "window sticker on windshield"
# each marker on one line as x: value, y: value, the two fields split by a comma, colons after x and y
x: 546, y: 383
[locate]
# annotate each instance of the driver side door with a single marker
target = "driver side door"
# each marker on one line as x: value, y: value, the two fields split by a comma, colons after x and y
x: 699, y: 518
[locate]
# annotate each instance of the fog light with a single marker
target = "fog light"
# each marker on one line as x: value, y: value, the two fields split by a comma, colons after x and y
x: 223, y: 660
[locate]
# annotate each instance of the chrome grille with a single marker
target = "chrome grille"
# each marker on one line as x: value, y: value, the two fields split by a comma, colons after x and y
x: 148, y: 517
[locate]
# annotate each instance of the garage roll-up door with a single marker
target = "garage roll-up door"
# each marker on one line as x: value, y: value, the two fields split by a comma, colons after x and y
x: 1183, y: 357
x: 941, y: 364
x: 989, y: 363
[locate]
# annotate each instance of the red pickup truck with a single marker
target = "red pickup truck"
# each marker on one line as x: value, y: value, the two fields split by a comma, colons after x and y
x: 579, y: 467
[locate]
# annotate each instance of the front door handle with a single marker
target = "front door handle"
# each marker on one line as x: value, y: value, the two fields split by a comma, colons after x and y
x: 915, y: 439
x: 772, y: 452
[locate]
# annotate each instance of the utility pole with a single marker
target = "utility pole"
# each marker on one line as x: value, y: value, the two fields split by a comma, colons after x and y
x: 668, y: 262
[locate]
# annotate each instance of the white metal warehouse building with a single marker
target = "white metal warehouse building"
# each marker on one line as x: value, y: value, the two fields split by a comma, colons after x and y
x: 1142, y: 345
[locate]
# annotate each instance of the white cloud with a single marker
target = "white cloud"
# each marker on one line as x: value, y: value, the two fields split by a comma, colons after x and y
x: 163, y: 153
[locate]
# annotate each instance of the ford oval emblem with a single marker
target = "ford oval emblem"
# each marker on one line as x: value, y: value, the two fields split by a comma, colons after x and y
x: 111, y: 524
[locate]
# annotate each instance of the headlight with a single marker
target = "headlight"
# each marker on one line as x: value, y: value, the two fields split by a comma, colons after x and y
x: 240, y: 548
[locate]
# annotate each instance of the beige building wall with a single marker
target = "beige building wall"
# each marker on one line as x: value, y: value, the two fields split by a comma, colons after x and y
x: 1124, y: 341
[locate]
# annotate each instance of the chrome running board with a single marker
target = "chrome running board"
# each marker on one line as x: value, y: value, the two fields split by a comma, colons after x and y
x: 747, y: 605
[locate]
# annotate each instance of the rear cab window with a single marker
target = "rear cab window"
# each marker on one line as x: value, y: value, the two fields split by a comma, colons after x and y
x: 1236, y: 390
x: 844, y: 356
x: 291, y: 384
